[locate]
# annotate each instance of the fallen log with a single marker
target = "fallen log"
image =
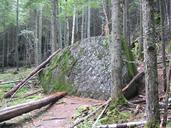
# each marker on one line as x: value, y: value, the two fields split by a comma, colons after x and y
x: 135, y: 78
x: 143, y: 100
x: 34, y: 72
x: 123, y: 125
x: 18, y: 110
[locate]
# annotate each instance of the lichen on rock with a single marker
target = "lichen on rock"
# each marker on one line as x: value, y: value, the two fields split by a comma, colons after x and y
x: 85, y: 68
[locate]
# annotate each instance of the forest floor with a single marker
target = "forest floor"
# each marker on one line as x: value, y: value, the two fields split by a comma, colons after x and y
x: 63, y: 113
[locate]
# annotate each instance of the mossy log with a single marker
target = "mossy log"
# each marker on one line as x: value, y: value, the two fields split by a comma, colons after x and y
x: 18, y: 110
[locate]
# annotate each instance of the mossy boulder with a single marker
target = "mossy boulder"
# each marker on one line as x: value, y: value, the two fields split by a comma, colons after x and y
x: 84, y: 69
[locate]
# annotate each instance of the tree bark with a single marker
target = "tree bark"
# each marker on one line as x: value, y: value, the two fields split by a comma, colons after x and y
x: 141, y: 30
x: 73, y: 26
x: 89, y: 20
x: 17, y: 32
x: 54, y: 35
x: 115, y: 50
x: 40, y: 35
x: 164, y: 81
x: 166, y: 100
x: 126, y: 21
x: 82, y: 23
x: 36, y: 38
x: 18, y: 110
x: 150, y: 58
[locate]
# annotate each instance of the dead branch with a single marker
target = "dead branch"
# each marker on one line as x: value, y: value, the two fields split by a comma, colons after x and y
x: 91, y: 114
x: 18, y: 110
x: 135, y: 78
x: 143, y: 100
x: 32, y: 93
x: 101, y: 114
x: 124, y: 125
x: 34, y: 72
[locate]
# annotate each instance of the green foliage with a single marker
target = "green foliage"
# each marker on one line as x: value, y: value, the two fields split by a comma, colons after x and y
x: 82, y: 110
x: 55, y: 77
x: 129, y: 58
x: 152, y: 124
x: 137, y: 51
x: 19, y: 94
x: 86, y: 124
x: 168, y: 49
x: 113, y: 114
x: 4, y: 88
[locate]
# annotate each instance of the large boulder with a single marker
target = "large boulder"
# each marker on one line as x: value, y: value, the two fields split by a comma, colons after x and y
x: 85, y: 69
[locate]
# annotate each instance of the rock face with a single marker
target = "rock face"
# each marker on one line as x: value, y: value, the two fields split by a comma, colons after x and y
x: 86, y: 69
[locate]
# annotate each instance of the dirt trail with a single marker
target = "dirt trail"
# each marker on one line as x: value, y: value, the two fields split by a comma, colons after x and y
x: 58, y: 115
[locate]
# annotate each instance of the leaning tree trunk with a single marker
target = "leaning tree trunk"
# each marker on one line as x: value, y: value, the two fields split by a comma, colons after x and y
x: 115, y: 50
x: 150, y: 58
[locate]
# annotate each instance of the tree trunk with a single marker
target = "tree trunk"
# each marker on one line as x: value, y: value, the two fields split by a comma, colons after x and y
x: 89, y: 20
x: 115, y: 50
x: 170, y: 16
x: 17, y: 32
x: 150, y: 59
x: 36, y: 38
x: 141, y: 30
x: 126, y: 21
x: 40, y: 35
x: 67, y: 32
x: 82, y: 24
x: 163, y: 43
x: 73, y: 26
x: 18, y: 110
x: 54, y: 35
x: 106, y: 25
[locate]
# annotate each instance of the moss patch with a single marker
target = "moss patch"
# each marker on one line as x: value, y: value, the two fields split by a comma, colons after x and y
x: 10, y: 75
x: 152, y: 124
x: 55, y: 76
x: 18, y: 100
x: 129, y: 57
x: 113, y: 114
x: 121, y: 100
